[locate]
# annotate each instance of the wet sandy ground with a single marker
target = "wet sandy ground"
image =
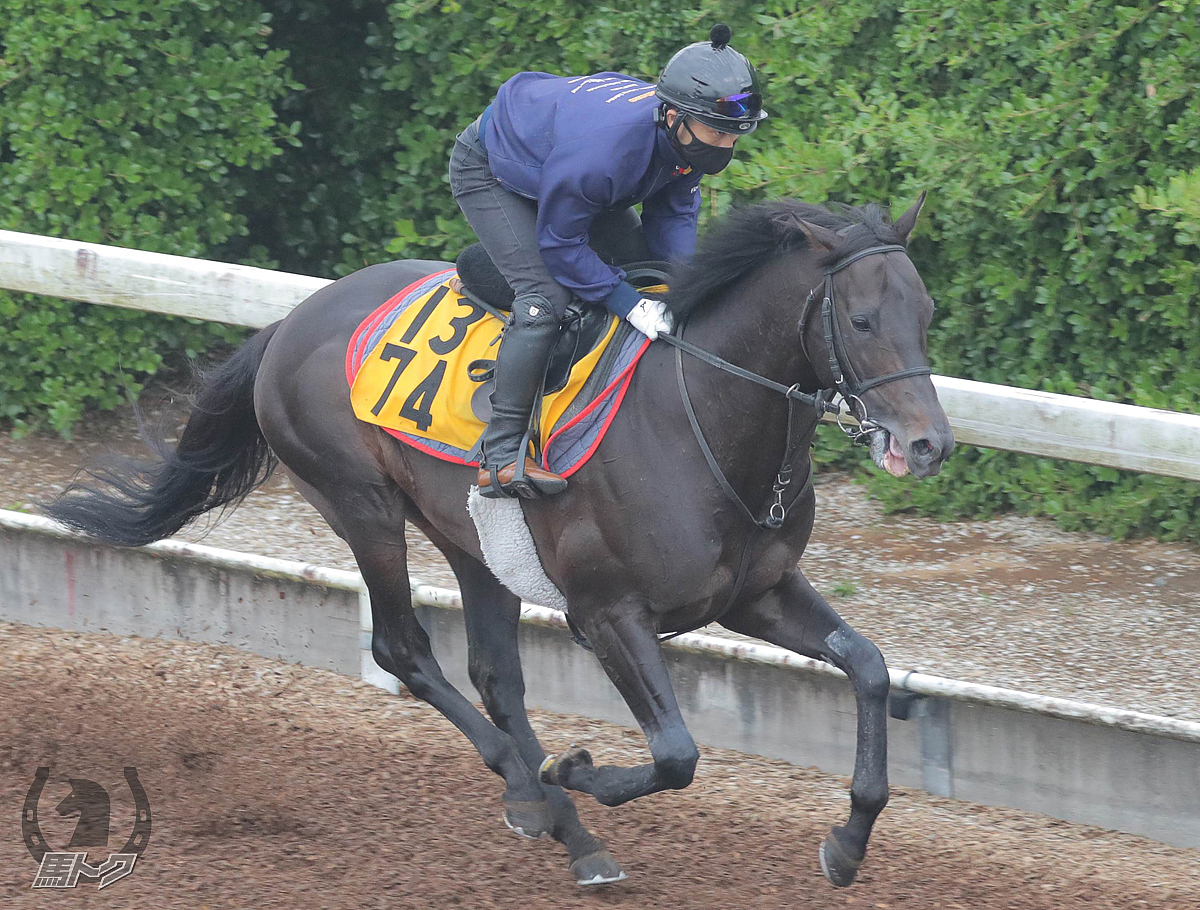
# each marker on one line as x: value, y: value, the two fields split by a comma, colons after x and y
x: 273, y: 785
x: 1010, y: 602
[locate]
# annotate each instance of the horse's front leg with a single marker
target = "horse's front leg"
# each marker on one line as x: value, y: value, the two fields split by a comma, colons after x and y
x: 794, y: 616
x: 626, y: 642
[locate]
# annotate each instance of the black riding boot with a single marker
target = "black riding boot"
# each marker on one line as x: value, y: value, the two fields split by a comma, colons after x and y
x: 520, y: 372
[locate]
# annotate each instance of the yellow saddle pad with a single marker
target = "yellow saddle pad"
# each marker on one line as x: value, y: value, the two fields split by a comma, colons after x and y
x: 407, y: 367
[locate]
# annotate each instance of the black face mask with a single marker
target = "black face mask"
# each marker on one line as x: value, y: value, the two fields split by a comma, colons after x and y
x: 705, y: 158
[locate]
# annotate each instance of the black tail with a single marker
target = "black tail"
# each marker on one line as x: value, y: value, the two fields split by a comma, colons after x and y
x: 221, y: 457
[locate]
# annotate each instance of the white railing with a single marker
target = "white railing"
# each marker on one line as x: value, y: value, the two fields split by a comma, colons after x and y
x: 701, y: 642
x: 999, y: 417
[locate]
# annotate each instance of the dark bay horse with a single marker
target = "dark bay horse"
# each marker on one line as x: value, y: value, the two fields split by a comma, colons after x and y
x: 645, y: 541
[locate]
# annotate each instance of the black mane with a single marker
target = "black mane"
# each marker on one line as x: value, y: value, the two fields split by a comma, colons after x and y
x: 752, y: 234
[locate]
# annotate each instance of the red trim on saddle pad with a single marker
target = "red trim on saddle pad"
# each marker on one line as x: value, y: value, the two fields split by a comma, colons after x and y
x: 420, y: 446
x: 354, y: 360
x: 624, y: 378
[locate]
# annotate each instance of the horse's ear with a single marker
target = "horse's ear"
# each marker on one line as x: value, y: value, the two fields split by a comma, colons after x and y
x: 905, y: 223
x: 822, y: 239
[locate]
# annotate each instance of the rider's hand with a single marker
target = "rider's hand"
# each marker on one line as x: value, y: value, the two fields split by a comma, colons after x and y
x: 651, y: 317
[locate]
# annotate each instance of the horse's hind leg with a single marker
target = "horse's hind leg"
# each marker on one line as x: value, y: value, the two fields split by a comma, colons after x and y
x: 493, y: 615
x: 371, y: 519
x: 401, y: 647
x: 794, y: 616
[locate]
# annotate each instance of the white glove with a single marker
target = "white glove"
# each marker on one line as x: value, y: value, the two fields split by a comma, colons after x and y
x: 651, y: 317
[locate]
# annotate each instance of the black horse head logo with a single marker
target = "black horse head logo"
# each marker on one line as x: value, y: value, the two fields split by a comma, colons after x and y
x: 90, y: 801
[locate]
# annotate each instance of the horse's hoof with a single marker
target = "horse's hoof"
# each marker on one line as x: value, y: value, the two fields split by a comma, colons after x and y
x: 557, y: 769
x: 597, y: 868
x: 837, y: 863
x: 528, y: 818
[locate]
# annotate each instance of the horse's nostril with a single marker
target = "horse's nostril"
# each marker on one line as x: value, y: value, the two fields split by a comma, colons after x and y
x: 922, y: 448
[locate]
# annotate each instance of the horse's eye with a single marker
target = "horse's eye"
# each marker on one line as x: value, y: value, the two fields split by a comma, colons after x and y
x: 862, y: 323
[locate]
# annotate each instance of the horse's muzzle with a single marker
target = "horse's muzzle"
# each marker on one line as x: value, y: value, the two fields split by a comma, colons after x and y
x: 926, y: 455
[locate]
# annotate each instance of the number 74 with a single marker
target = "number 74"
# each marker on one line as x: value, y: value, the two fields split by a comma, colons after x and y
x: 418, y: 404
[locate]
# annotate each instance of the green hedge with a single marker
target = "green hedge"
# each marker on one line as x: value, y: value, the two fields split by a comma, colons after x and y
x: 127, y: 122
x: 1060, y: 143
x: 390, y: 84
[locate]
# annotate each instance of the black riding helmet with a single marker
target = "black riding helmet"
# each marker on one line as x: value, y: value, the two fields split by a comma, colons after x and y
x: 713, y: 83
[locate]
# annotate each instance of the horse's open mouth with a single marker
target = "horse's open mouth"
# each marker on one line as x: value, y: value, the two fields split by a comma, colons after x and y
x: 886, y: 453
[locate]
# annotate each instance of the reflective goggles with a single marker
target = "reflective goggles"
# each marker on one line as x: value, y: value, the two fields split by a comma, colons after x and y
x: 741, y: 106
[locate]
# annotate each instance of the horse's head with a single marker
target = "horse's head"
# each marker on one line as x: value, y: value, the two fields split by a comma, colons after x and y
x: 863, y: 330
x: 89, y: 801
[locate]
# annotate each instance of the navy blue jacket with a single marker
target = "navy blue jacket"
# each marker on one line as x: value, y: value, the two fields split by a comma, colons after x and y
x: 580, y: 146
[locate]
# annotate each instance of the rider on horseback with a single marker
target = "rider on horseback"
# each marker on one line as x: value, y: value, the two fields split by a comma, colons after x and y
x: 554, y: 163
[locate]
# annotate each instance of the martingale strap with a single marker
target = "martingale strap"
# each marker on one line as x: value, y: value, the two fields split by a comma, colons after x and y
x: 777, y: 511
x: 743, y: 566
x: 739, y: 581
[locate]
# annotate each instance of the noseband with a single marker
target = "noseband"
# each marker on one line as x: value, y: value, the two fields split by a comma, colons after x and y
x: 845, y: 378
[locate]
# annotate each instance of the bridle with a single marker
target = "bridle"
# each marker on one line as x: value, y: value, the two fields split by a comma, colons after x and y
x: 846, y: 381
x: 845, y: 377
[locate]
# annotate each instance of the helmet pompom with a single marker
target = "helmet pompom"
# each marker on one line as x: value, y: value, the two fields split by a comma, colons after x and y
x: 720, y: 35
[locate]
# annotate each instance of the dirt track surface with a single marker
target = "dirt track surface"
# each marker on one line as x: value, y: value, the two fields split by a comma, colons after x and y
x: 275, y: 785
x: 1013, y: 602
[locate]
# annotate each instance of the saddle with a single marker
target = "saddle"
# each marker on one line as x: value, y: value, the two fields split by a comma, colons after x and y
x: 584, y: 325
